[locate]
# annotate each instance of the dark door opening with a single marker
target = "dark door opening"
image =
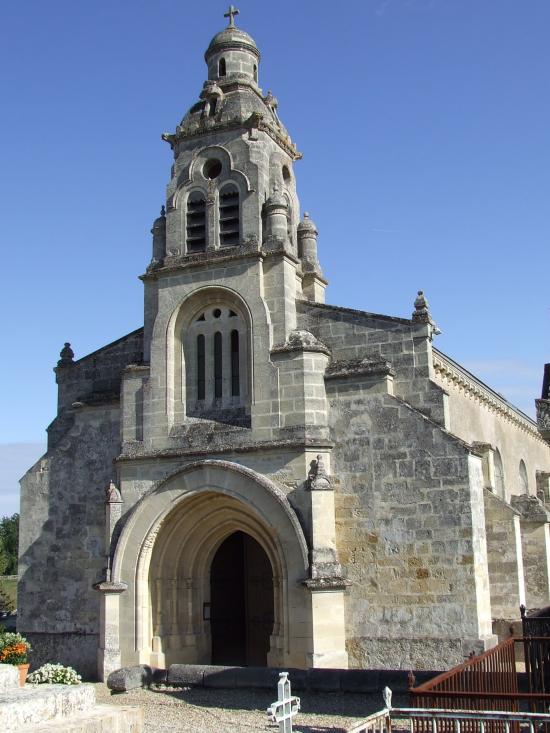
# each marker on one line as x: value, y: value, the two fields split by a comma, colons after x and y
x: 241, y: 596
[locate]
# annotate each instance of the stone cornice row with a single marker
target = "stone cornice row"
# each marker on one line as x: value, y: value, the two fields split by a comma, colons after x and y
x: 254, y: 122
x: 449, y: 370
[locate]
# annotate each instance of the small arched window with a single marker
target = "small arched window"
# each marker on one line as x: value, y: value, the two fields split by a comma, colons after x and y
x: 229, y: 216
x: 499, y: 475
x: 523, y: 480
x: 213, y: 107
x: 221, y: 67
x: 255, y: 73
x: 196, y: 222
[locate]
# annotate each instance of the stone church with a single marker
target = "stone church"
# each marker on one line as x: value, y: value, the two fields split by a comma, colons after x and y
x: 258, y: 478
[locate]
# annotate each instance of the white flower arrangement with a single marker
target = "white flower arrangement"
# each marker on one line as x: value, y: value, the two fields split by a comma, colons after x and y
x: 54, y: 674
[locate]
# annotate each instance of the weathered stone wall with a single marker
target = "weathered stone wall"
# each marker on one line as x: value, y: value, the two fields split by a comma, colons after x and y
x: 62, y: 537
x: 505, y: 558
x: 536, y: 551
x: 357, y: 335
x: 410, y: 534
x: 99, y: 374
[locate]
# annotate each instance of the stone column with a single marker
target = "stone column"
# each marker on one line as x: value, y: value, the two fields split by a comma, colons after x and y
x: 113, y: 512
x: 326, y: 584
x: 108, y: 656
x: 302, y: 361
x: 505, y: 558
x: 313, y: 282
x: 535, y: 544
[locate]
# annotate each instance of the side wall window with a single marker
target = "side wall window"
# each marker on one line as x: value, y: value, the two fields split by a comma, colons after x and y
x: 523, y: 480
x: 221, y: 67
x: 499, y: 476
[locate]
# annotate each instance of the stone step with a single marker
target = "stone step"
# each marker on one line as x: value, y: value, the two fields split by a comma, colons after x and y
x: 38, y: 704
x: 100, y: 719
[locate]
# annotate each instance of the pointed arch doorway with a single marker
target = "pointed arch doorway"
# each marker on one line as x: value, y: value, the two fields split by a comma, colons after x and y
x: 242, y: 602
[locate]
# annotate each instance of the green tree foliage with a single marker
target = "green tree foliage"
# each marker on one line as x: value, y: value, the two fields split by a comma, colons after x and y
x: 6, y: 602
x: 9, y: 543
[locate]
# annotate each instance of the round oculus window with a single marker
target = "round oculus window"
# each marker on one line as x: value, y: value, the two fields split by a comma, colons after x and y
x: 212, y: 168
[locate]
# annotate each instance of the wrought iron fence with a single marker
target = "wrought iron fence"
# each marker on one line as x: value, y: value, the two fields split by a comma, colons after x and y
x: 456, y: 721
x: 536, y: 642
x: 489, y: 682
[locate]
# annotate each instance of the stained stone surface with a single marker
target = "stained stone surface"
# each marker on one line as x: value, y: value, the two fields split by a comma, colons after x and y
x: 9, y: 677
x: 36, y: 704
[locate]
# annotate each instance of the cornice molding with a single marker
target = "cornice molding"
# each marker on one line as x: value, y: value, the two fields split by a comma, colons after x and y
x: 452, y: 374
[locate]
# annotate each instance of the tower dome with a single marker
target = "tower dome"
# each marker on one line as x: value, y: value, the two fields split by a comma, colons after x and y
x: 232, y: 52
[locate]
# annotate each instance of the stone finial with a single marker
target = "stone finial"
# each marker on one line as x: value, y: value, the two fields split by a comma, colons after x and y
x: 163, y: 210
x: 317, y: 478
x: 421, y: 309
x: 271, y: 101
x: 276, y: 198
x: 112, y: 494
x: 422, y: 313
x: 67, y: 355
x: 307, y: 225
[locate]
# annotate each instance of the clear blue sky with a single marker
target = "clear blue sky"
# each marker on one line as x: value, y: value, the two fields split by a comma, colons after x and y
x: 425, y: 128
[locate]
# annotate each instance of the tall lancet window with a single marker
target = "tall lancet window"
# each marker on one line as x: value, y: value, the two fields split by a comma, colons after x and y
x: 201, y: 368
x: 235, y: 367
x: 196, y: 222
x: 218, y: 366
x: 229, y: 216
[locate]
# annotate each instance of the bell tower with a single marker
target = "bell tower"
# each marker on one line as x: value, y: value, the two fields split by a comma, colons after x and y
x: 232, y: 192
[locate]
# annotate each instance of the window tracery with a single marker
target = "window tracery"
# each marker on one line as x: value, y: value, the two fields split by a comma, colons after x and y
x: 215, y: 361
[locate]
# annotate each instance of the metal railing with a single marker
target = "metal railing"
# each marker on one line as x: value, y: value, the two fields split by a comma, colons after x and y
x: 485, y: 682
x: 536, y: 641
x: 488, y: 681
x: 441, y: 720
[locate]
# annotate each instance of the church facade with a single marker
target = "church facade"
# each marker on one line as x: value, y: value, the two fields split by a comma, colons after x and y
x: 258, y: 478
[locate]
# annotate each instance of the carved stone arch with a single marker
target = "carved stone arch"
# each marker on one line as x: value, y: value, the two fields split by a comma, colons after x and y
x: 176, y: 329
x: 228, y: 169
x: 166, y: 547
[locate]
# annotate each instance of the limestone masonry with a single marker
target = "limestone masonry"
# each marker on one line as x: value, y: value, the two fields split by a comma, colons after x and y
x: 258, y: 478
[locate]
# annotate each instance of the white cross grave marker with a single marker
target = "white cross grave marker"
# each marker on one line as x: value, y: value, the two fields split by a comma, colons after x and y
x: 285, y: 708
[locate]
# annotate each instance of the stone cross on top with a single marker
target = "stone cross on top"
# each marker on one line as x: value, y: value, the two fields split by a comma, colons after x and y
x: 231, y: 13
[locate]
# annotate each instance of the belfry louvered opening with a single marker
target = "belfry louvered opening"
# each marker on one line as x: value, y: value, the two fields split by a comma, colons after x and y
x: 196, y: 222
x: 229, y: 216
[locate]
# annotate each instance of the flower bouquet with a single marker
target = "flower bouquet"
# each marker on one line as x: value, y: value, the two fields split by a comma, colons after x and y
x: 54, y: 674
x: 13, y: 648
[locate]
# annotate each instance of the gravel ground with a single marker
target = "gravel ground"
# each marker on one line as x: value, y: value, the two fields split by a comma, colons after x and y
x: 199, y: 710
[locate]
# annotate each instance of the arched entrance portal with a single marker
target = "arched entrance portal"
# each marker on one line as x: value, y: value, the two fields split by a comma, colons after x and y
x: 241, y: 593
x: 157, y: 613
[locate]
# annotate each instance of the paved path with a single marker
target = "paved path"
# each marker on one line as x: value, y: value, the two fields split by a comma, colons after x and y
x: 198, y: 710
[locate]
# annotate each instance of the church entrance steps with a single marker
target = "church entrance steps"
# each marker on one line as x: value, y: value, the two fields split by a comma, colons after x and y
x: 100, y: 719
x: 63, y: 708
